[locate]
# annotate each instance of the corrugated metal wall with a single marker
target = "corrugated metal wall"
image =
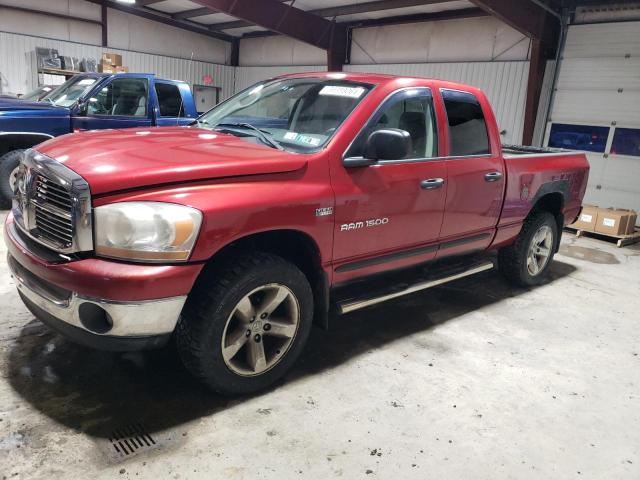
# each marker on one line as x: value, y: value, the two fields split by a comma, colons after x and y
x: 19, y: 75
x: 505, y: 83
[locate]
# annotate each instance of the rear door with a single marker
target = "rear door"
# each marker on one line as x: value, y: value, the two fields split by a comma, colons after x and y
x: 475, y: 175
x: 171, y: 104
x: 386, y: 215
x: 123, y: 102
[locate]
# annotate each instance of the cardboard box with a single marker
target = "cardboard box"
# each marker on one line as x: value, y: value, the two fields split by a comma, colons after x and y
x: 112, y: 58
x: 587, y: 219
x: 120, y: 69
x: 615, y: 221
x: 106, y: 68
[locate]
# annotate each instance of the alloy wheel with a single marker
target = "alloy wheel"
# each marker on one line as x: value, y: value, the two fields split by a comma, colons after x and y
x: 539, y: 250
x: 260, y: 330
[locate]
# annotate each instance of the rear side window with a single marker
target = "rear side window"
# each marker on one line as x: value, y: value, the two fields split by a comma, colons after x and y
x: 467, y: 127
x: 169, y: 100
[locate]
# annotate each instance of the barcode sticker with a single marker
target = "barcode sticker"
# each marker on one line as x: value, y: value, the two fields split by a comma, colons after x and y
x: 608, y: 222
x: 351, y: 92
x: 586, y: 217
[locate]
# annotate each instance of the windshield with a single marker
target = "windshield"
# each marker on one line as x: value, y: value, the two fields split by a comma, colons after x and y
x: 298, y: 114
x: 67, y: 93
x: 37, y: 94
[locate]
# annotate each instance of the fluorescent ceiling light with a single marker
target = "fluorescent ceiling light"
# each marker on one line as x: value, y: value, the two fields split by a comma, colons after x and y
x: 126, y: 1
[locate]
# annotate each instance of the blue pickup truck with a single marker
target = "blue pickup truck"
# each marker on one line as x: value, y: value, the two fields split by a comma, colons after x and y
x: 88, y: 102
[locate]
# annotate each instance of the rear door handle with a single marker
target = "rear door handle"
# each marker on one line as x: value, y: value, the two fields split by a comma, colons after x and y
x: 431, y: 183
x: 492, y: 177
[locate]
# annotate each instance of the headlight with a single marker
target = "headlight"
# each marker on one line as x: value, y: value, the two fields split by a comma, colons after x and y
x: 146, y: 231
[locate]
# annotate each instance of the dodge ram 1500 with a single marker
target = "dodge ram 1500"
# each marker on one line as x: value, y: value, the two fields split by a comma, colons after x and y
x: 296, y: 200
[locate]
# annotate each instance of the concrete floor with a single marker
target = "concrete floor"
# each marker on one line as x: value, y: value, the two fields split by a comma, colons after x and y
x: 471, y: 380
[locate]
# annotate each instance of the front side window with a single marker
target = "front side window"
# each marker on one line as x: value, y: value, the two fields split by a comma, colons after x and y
x: 297, y: 114
x: 467, y: 127
x: 169, y: 100
x: 67, y: 93
x: 122, y: 97
x: 589, y: 138
x: 408, y: 110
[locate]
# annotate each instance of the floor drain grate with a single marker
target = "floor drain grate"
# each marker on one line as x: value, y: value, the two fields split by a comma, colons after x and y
x: 131, y: 439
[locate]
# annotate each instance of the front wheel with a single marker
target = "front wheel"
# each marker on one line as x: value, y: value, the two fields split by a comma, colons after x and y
x: 527, y: 260
x: 245, y: 325
x: 9, y: 163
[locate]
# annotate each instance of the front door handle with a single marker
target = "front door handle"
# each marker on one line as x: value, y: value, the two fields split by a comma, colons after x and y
x: 492, y: 177
x: 431, y: 183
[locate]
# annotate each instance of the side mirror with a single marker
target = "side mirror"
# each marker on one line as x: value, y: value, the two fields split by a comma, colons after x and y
x: 388, y: 144
x: 384, y: 144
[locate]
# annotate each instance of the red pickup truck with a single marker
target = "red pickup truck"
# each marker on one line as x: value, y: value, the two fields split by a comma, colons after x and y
x: 298, y: 199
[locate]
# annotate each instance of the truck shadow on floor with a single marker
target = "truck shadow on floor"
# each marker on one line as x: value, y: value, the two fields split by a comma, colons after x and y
x: 93, y: 392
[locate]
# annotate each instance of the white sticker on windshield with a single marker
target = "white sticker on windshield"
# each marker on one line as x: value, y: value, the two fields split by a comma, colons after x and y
x: 335, y: 90
x: 300, y: 138
x: 290, y: 135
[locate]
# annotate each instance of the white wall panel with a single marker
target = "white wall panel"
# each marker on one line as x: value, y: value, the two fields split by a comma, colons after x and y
x: 125, y: 31
x: 129, y: 32
x: 17, y: 73
x: 471, y: 39
x: 504, y: 83
x: 247, y: 76
x: 279, y: 50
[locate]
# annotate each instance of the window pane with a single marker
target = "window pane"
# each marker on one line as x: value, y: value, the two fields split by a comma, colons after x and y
x: 626, y: 141
x: 414, y: 114
x: 578, y: 137
x: 467, y: 127
x: 123, y: 96
x: 170, y: 100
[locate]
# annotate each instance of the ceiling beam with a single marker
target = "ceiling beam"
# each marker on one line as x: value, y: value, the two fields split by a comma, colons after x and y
x: 159, y: 17
x: 196, y: 12
x: 144, y: 3
x: 525, y: 16
x: 420, y: 17
x: 352, y: 9
x: 278, y: 17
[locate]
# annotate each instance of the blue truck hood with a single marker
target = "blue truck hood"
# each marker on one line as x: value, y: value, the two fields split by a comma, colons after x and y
x: 13, y: 106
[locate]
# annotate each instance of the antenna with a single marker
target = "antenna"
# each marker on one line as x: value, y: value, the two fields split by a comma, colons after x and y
x: 181, y: 97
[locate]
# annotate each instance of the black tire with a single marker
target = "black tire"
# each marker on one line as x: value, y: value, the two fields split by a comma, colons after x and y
x: 202, y: 325
x: 512, y: 260
x: 8, y: 163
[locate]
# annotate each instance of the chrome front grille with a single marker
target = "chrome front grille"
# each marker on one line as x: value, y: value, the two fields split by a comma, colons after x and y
x: 53, y: 212
x: 52, y: 204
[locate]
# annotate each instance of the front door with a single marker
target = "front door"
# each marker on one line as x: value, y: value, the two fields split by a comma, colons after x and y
x: 389, y: 214
x: 475, y: 176
x: 122, y: 103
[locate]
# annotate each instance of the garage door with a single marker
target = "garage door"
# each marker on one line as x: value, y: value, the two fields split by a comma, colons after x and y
x: 597, y: 109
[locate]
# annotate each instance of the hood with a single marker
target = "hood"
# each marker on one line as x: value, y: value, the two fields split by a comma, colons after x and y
x: 113, y: 160
x: 15, y: 104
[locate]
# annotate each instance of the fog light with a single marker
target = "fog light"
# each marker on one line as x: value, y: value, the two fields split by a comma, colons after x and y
x: 95, y: 318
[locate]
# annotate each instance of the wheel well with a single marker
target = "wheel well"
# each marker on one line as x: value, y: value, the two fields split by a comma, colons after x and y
x: 10, y: 142
x: 552, y: 203
x: 294, y: 246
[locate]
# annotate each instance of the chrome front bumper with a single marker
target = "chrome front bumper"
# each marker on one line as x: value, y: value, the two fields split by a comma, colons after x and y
x: 100, y: 317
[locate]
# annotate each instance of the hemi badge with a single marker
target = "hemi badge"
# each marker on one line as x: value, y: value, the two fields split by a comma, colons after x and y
x: 321, y: 212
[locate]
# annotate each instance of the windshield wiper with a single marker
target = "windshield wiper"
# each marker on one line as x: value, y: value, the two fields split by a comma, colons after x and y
x: 263, y: 135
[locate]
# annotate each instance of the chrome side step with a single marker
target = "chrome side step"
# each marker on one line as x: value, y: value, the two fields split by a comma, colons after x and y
x: 351, y: 305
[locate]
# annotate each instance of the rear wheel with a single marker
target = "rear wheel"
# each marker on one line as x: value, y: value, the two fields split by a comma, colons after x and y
x: 245, y: 325
x: 9, y: 163
x: 527, y: 260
